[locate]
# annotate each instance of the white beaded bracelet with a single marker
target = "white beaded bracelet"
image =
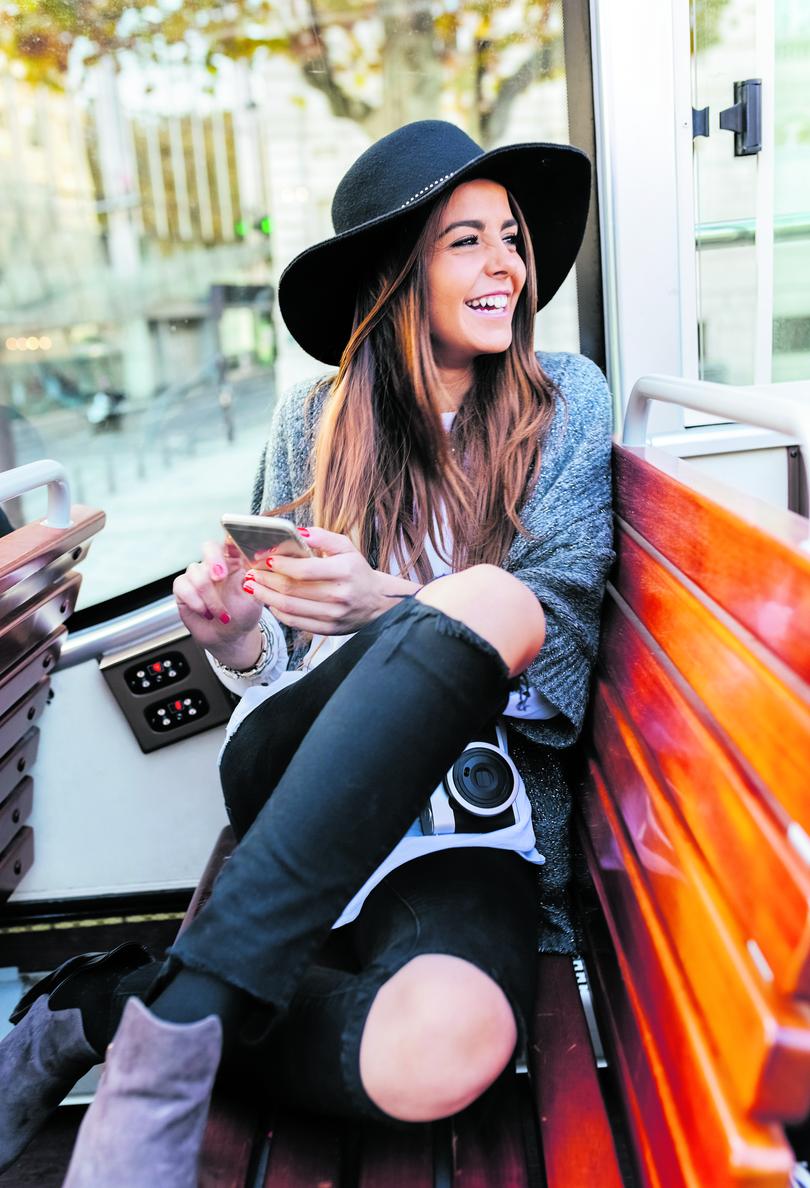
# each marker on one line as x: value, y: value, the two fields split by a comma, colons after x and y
x: 265, y: 655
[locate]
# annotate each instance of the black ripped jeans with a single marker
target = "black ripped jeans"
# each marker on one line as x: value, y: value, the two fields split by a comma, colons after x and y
x: 321, y: 781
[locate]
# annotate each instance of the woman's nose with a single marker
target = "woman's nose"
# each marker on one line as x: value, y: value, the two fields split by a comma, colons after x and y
x: 500, y: 259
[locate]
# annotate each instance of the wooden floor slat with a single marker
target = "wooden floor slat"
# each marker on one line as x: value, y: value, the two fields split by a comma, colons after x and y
x: 575, y: 1132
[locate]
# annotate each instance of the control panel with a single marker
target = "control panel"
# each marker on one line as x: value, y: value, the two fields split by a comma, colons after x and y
x: 156, y: 673
x: 166, y: 689
x: 176, y: 711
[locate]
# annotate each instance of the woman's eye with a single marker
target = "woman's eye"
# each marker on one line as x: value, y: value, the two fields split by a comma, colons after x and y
x: 510, y: 239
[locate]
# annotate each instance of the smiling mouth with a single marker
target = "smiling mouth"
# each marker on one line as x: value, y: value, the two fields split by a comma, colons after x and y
x: 504, y: 312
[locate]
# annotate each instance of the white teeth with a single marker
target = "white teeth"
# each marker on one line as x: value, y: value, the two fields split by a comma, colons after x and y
x: 498, y: 302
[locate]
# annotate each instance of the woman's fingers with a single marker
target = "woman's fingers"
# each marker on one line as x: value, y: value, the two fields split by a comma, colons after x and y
x: 219, y: 562
x: 204, y: 587
x: 290, y: 608
x: 187, y: 594
x: 304, y: 569
x: 329, y: 542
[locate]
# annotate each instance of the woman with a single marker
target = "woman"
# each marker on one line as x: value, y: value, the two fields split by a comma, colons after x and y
x: 349, y: 956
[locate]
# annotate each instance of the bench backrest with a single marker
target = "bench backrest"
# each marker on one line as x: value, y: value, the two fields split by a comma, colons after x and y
x: 696, y: 822
x: 38, y: 591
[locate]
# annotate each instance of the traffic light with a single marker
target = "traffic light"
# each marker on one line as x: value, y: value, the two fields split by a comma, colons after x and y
x: 240, y: 228
x: 264, y: 225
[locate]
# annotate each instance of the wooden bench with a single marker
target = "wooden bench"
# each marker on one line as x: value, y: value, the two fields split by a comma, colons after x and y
x: 696, y: 822
x: 38, y: 591
x: 561, y: 1132
x: 694, y: 817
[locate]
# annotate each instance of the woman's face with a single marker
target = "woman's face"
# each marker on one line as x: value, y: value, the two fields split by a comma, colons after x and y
x: 475, y: 256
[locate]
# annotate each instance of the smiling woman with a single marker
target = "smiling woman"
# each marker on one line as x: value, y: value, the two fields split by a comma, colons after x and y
x: 363, y: 683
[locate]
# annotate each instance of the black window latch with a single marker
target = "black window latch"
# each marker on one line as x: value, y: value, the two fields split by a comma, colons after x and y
x: 744, y: 119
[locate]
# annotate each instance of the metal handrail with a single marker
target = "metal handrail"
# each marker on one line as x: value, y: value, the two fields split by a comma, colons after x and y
x: 765, y: 405
x: 16, y: 482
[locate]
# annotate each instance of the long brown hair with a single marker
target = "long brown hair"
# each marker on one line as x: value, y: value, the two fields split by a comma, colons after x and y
x: 382, y: 457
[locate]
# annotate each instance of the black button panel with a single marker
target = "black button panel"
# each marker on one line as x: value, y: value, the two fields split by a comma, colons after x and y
x: 187, y: 706
x: 153, y: 673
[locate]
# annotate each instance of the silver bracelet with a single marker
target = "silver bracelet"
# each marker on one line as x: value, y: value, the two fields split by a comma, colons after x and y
x: 261, y: 663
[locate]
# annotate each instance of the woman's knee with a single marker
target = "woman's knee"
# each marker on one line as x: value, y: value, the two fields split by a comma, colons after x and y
x: 438, y: 1034
x: 497, y: 606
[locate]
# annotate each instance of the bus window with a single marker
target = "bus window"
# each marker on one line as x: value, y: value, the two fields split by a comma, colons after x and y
x: 753, y: 212
x: 168, y: 162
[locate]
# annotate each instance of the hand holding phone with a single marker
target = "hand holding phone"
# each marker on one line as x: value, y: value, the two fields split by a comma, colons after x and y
x: 259, y: 534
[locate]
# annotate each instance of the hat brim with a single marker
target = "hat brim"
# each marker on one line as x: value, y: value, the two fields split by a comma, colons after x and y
x: 550, y: 182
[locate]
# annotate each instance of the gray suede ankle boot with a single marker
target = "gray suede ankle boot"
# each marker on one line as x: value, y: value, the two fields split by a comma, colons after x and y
x: 40, y: 1062
x: 145, y: 1126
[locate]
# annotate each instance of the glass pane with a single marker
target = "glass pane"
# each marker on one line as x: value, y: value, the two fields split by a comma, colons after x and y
x: 791, y: 303
x: 159, y: 165
x: 724, y: 51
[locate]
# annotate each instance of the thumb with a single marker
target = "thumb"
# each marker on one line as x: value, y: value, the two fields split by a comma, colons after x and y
x: 328, y: 542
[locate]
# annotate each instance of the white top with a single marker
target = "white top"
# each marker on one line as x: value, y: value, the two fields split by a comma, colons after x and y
x: 274, y: 677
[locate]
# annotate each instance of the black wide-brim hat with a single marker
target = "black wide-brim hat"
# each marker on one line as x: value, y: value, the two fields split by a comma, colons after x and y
x: 404, y: 172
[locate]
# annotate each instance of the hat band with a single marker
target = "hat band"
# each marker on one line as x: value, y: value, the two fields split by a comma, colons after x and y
x: 432, y: 186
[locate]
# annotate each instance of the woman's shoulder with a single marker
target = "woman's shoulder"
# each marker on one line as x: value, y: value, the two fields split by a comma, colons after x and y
x: 301, y: 397
x: 583, y: 385
x: 575, y: 375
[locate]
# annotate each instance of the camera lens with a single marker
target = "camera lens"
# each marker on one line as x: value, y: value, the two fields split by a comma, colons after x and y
x: 483, y: 780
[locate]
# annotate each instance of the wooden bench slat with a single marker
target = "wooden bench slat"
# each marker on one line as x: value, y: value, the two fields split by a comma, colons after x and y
x: 662, y: 1159
x: 38, y: 619
x: 760, y: 704
x: 23, y: 675
x: 577, y: 1141
x: 233, y: 1130
x: 305, y: 1151
x: 727, y: 1147
x: 19, y: 718
x: 733, y: 827
x: 15, y: 810
x: 34, y: 546
x: 393, y: 1159
x: 18, y: 760
x: 488, y: 1149
x: 770, y: 1074
x: 16, y: 860
x: 711, y: 533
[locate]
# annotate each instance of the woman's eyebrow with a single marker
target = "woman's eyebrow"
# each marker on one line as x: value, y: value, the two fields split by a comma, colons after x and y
x: 479, y: 226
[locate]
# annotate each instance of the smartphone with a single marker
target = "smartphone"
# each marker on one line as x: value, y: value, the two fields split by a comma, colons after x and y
x: 256, y: 534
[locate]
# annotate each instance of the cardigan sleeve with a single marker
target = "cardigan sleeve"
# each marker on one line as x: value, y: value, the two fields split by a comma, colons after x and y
x: 283, y: 471
x: 570, y: 511
x: 273, y: 483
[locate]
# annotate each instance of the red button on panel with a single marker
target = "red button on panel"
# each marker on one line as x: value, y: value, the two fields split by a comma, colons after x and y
x: 178, y: 705
x: 155, y: 667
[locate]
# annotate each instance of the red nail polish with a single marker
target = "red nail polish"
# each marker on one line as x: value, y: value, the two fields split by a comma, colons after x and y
x: 269, y: 562
x: 218, y: 571
x: 225, y: 617
x: 250, y: 576
x: 248, y: 588
x: 304, y: 531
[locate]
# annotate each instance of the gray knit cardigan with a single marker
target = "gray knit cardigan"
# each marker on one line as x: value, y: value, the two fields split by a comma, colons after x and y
x: 569, y: 509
